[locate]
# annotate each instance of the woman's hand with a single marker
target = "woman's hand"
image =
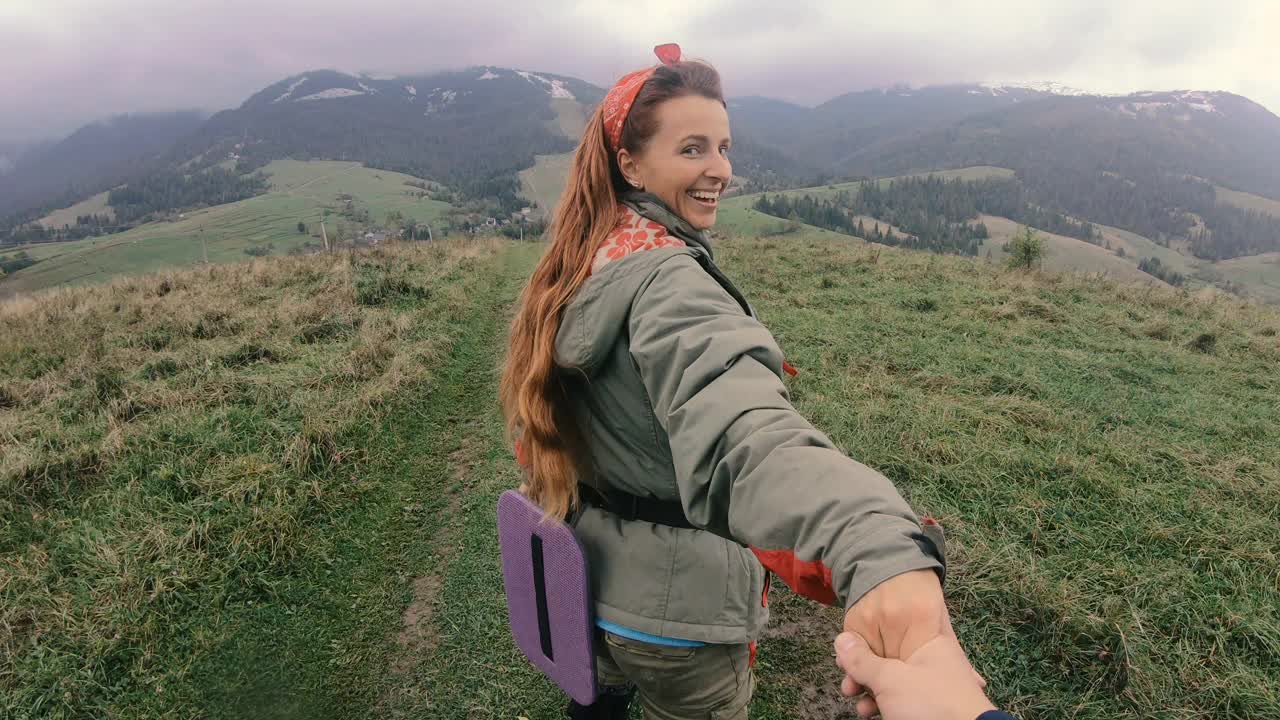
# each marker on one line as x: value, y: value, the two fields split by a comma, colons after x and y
x: 900, y: 614
x: 897, y: 618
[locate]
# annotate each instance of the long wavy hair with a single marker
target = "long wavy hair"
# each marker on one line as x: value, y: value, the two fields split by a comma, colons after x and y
x: 533, y: 388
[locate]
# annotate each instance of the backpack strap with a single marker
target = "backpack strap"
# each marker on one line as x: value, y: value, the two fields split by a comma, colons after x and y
x: 634, y: 507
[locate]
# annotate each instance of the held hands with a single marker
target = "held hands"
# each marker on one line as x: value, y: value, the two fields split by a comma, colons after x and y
x: 897, y: 642
x: 900, y: 614
x: 935, y: 683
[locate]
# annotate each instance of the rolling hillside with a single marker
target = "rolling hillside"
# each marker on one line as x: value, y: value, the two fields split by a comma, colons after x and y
x: 95, y: 205
x: 300, y: 192
x: 1173, y: 175
x: 1117, y: 254
x: 267, y: 489
x: 472, y: 130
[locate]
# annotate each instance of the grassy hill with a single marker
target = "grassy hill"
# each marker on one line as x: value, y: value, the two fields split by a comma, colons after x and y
x: 299, y: 192
x: 268, y: 488
x: 1258, y: 276
x: 189, y: 479
x: 1248, y: 201
x: 95, y: 205
x: 544, y: 182
x: 1064, y: 253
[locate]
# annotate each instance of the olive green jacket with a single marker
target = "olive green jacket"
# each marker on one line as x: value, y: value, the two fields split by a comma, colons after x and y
x: 678, y: 391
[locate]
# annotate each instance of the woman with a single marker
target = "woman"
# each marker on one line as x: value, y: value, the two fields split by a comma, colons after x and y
x: 650, y: 411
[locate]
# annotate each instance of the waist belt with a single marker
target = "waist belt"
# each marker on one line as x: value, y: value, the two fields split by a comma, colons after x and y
x: 633, y: 507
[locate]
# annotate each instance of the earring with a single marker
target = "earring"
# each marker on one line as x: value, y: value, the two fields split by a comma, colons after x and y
x: 635, y: 183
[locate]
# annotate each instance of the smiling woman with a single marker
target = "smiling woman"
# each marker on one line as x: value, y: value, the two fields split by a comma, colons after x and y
x: 648, y: 410
x: 686, y: 161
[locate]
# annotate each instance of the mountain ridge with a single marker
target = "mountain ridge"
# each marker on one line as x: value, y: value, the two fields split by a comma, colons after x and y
x: 473, y: 130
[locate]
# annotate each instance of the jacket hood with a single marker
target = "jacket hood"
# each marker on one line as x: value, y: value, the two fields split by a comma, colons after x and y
x: 595, y: 319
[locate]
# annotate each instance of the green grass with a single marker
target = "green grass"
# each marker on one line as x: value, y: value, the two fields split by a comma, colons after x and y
x: 1104, y: 458
x: 299, y: 192
x: 96, y: 205
x: 1258, y: 274
x: 571, y: 117
x: 976, y: 172
x: 1137, y: 247
x: 1065, y: 254
x: 197, y: 476
x: 738, y: 220
x: 544, y: 182
x: 1248, y: 201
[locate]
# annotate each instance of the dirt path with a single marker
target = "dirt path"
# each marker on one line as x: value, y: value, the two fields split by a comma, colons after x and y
x: 455, y: 448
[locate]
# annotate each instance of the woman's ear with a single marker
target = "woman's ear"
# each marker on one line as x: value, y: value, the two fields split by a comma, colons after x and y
x: 630, y: 170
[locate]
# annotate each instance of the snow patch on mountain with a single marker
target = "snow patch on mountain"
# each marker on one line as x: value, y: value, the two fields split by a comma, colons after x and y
x: 366, y: 88
x: 488, y: 75
x: 1152, y: 102
x: 292, y: 86
x: 1053, y: 88
x: 554, y: 88
x: 411, y: 89
x: 1197, y: 100
x: 438, y: 99
x: 330, y: 94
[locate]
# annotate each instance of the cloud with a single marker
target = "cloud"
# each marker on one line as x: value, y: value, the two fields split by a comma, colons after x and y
x: 71, y: 61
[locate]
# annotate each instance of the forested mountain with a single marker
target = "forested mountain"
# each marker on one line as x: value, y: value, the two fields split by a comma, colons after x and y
x: 1146, y: 162
x: 471, y: 130
x: 10, y: 155
x: 90, y: 160
x: 827, y: 138
x: 1219, y: 136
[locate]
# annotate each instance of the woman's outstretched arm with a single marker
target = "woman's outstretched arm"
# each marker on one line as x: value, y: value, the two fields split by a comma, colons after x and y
x: 750, y: 468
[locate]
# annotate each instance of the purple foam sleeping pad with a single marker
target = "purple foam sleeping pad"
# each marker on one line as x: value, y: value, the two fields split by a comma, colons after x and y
x: 544, y: 570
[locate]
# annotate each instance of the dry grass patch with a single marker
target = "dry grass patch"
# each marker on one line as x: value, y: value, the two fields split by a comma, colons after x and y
x: 171, y: 443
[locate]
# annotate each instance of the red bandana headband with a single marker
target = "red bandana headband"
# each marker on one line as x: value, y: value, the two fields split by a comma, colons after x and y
x: 618, y: 102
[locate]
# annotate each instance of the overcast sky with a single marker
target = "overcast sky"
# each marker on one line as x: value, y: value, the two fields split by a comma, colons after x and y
x: 66, y: 62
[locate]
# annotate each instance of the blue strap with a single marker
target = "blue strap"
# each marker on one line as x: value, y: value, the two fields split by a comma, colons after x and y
x: 631, y: 634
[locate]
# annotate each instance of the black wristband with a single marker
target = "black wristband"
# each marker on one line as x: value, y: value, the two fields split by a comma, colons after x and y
x: 996, y: 715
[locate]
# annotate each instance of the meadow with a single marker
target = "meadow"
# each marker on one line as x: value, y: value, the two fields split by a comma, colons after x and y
x: 544, y: 182
x: 1248, y: 201
x: 267, y: 489
x: 299, y: 192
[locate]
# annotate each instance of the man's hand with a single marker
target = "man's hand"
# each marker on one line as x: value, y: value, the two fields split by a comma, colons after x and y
x: 935, y: 683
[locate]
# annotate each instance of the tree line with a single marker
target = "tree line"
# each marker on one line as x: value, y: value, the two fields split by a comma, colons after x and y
x: 1160, y: 206
x: 1152, y: 266
x: 934, y: 214
x: 840, y: 215
x: 172, y: 189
